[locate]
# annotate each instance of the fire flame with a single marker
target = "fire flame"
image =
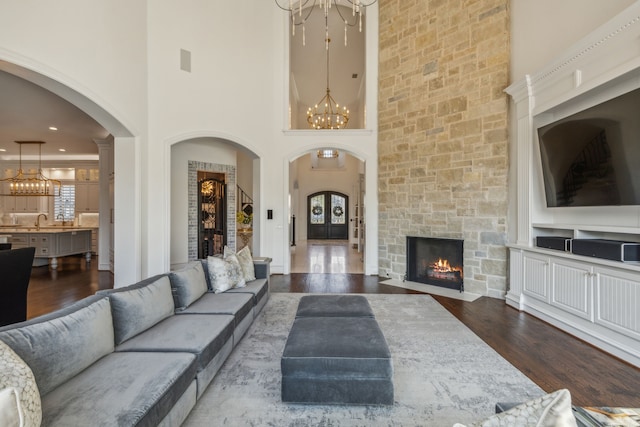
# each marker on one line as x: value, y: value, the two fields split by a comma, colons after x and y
x: 443, y: 266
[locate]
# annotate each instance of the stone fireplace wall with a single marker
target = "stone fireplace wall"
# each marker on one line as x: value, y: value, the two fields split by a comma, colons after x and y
x: 443, y: 157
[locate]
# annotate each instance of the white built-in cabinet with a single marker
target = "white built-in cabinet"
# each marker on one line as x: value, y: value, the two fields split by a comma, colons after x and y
x: 26, y: 204
x: 595, y: 299
x: 87, y: 196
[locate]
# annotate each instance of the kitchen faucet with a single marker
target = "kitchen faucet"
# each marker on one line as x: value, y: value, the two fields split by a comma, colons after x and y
x: 38, y: 221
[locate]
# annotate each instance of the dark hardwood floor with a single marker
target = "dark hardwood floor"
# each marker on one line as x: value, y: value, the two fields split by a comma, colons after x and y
x: 74, y: 279
x: 548, y: 356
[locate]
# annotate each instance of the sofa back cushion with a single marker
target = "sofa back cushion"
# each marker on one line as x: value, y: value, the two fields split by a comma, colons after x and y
x: 188, y: 284
x: 59, y: 345
x: 138, y: 307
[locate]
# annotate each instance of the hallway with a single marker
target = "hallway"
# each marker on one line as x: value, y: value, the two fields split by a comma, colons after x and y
x: 326, y: 256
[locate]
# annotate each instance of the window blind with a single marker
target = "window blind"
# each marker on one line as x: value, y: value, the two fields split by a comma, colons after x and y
x: 64, y: 205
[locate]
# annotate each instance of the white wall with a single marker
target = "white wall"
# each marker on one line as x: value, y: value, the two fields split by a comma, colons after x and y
x: 541, y: 30
x: 201, y: 150
x: 244, y: 163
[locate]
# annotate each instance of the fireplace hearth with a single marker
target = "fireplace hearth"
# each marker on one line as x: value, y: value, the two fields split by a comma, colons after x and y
x: 435, y: 261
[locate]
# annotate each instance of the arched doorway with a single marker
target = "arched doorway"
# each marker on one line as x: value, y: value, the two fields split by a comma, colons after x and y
x: 328, y: 216
x: 117, y: 250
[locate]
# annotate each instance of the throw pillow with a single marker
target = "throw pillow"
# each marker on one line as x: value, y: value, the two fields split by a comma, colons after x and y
x: 188, y: 284
x: 16, y: 374
x: 221, y: 273
x: 246, y: 262
x: 551, y: 410
x: 238, y: 277
x: 10, y: 411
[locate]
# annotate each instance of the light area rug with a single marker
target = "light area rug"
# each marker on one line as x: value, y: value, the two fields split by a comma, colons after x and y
x: 443, y: 373
x: 430, y: 289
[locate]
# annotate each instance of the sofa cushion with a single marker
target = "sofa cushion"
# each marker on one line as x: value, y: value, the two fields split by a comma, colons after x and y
x: 551, y: 410
x: 223, y: 274
x: 258, y: 288
x: 20, y: 395
x: 49, y: 344
x: 238, y: 305
x: 201, y: 335
x: 122, y: 389
x: 245, y: 260
x: 188, y: 284
x: 138, y: 307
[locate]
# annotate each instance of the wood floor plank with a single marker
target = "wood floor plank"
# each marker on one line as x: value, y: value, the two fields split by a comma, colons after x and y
x: 548, y: 356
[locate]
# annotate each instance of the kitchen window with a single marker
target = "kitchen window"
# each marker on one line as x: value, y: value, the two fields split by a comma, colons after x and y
x: 64, y: 205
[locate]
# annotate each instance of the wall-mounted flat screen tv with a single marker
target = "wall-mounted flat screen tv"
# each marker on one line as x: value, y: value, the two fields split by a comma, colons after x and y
x: 592, y: 158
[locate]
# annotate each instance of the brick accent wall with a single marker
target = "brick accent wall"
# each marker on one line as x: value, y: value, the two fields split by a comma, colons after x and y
x: 443, y: 155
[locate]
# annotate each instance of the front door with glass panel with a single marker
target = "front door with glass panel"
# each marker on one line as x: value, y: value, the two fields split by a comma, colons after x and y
x: 328, y: 215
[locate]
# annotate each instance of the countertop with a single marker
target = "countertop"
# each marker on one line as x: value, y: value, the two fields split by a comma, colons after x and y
x: 43, y: 229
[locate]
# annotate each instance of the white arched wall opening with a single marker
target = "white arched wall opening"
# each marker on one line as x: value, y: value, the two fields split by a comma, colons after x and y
x: 234, y: 143
x: 370, y: 160
x: 126, y: 213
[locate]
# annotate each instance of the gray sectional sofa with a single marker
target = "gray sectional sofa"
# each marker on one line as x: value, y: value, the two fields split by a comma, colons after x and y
x: 141, y: 355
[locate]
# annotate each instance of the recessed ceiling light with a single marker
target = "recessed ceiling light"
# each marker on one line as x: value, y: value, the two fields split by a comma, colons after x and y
x: 3, y: 149
x: 61, y: 149
x: 53, y: 128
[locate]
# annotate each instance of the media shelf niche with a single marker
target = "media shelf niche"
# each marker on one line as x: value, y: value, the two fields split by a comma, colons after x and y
x: 595, y: 299
x: 593, y: 242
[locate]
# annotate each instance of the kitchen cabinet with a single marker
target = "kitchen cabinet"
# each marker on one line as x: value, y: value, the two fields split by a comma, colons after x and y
x: 87, y: 174
x: 25, y: 204
x: 51, y: 243
x: 87, y: 197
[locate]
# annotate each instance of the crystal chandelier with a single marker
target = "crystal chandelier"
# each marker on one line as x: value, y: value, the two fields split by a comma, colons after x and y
x: 30, y: 183
x: 301, y: 10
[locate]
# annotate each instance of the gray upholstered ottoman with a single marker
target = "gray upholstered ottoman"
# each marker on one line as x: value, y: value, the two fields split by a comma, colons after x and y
x: 337, y: 360
x: 334, y: 306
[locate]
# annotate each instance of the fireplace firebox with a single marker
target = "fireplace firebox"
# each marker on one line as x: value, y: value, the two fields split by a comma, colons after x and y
x: 435, y: 261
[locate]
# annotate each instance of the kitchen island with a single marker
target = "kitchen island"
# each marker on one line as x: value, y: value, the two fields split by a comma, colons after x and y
x: 51, y: 243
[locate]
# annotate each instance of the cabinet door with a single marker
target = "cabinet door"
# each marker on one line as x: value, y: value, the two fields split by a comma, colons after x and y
x: 572, y: 287
x: 536, y: 276
x: 27, y: 204
x: 618, y: 298
x: 42, y: 243
x: 9, y: 204
x: 87, y: 197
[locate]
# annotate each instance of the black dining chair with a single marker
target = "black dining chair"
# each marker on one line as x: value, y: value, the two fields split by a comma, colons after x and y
x: 15, y: 272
